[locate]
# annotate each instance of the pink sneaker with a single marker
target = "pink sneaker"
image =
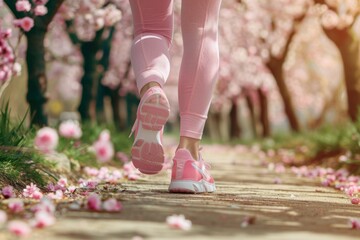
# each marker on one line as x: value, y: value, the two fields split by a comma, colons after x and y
x: 152, y: 114
x: 189, y: 175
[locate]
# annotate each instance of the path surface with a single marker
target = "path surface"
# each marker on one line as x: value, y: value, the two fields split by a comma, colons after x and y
x: 295, y: 209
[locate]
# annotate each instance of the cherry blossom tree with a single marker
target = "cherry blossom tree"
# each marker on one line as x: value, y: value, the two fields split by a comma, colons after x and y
x: 8, y: 64
x: 339, y: 21
x: 90, y: 25
x: 33, y: 18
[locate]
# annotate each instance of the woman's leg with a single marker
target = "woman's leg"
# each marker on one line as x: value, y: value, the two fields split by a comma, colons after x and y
x: 199, y: 68
x: 153, y: 29
x: 153, y: 26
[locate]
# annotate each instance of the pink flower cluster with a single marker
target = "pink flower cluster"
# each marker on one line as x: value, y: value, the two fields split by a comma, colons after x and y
x: 7, y: 56
x: 60, y: 189
x: 70, y: 129
x: 27, y: 23
x: 43, y: 217
x: 355, y: 223
x: 104, y: 174
x: 338, y: 179
x: 103, y: 147
x: 110, y: 205
x: 179, y: 222
x: 32, y: 191
x: 46, y: 140
x: 8, y: 192
x: 90, y: 16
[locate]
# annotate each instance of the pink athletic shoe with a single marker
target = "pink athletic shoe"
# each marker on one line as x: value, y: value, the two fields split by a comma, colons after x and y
x: 152, y: 114
x: 189, y: 175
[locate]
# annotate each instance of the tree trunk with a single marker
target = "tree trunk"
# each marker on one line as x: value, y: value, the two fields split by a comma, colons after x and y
x: 35, y: 59
x: 100, y: 95
x: 103, y: 90
x: 115, y: 106
x: 251, y: 107
x: 89, y: 51
x: 276, y: 68
x: 36, y: 76
x: 264, y: 113
x: 235, y: 129
x: 348, y: 45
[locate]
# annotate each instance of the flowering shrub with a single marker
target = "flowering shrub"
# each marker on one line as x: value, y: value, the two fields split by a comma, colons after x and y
x: 8, y: 66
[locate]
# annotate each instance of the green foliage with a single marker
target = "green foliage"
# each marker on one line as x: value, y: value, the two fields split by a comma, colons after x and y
x: 19, y: 168
x: 11, y: 134
x: 18, y: 164
x: 120, y: 140
x: 78, y: 150
x: 322, y: 144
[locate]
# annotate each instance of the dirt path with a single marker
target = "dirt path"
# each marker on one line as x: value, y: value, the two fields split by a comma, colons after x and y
x: 295, y: 209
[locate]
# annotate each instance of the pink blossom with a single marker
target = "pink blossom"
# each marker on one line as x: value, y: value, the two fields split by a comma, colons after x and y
x: 112, y: 15
x: 248, y: 220
x: 25, y: 23
x: 43, y: 219
x: 71, y: 189
x: 94, y: 202
x: 23, y: 6
x: 19, y: 228
x: 122, y: 157
x: 31, y: 190
x: 16, y: 206
x: 178, y: 222
x: 46, y: 139
x: 70, y: 129
x: 112, y: 205
x: 91, y: 184
x: 5, y: 33
x: 355, y: 201
x: 104, y: 136
x: 104, y: 150
x: 63, y: 182
x: 354, y: 223
x: 279, y: 168
x: 277, y: 181
x: 3, y: 217
x: 40, y: 10
x: 57, y: 195
x: 351, y: 190
x: 45, y: 205
x: 91, y: 171
x: 8, y: 192
x: 37, y: 195
x: 130, y: 171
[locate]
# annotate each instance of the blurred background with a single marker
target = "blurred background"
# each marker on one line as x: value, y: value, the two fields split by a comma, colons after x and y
x: 286, y: 66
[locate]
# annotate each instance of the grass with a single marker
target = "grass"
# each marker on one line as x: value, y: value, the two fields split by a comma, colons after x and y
x: 18, y: 165
x: 320, y: 146
x: 79, y: 151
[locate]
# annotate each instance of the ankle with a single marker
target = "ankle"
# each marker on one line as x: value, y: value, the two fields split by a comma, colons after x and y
x: 190, y: 144
x: 147, y: 87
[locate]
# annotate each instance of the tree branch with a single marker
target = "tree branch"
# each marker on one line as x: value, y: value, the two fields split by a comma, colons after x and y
x: 12, y: 7
x: 72, y: 35
x: 52, y: 6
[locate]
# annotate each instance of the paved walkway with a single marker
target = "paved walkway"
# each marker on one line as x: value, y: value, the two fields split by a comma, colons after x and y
x: 295, y: 209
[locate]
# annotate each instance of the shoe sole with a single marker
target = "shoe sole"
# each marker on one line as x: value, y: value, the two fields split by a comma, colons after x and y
x: 186, y: 186
x: 147, y: 151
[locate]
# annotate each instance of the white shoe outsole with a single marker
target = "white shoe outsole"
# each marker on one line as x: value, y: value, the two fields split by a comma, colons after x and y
x: 187, y: 186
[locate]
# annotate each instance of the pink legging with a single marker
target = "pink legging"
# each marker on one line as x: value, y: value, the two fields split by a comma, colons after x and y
x: 153, y: 28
